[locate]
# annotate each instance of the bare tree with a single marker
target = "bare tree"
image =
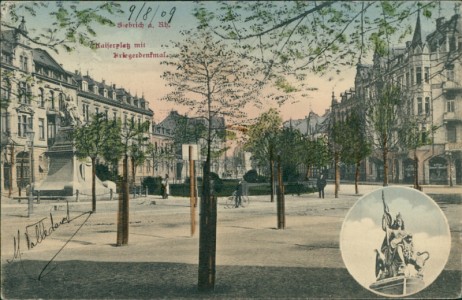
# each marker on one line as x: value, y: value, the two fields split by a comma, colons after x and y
x: 211, y: 80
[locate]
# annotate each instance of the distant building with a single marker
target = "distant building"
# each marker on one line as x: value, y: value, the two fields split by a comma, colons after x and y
x: 311, y: 125
x: 176, y: 130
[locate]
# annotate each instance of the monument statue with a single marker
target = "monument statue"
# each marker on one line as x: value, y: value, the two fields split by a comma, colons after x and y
x: 70, y: 116
x: 397, y: 263
x: 66, y: 173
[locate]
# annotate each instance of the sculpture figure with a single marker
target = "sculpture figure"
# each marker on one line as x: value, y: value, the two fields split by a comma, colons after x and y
x: 396, y: 256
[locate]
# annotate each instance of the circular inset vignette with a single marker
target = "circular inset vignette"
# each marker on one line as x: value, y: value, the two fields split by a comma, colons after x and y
x: 395, y: 241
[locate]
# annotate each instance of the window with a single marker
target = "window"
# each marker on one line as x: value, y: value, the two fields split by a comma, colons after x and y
x: 427, y: 74
x: 450, y: 72
x: 419, y: 106
x: 106, y: 114
x: 23, y: 93
x: 52, y: 99
x: 85, y: 112
x: 125, y: 121
x: 23, y: 62
x: 452, y: 134
x: 51, y: 132
x: 418, y: 75
x: 412, y: 76
x: 6, y: 90
x: 41, y: 125
x: 5, y: 122
x: 96, y: 110
x: 22, y: 125
x: 95, y: 89
x: 41, y: 97
x: 452, y: 43
x: 450, y: 106
x: 114, y: 115
x: 105, y: 93
x: 148, y: 166
x: 84, y: 86
x: 61, y: 102
x: 408, y: 82
x: 427, y: 105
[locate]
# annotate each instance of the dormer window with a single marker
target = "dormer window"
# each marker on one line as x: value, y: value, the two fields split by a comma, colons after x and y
x: 135, y: 102
x: 84, y: 86
x: 95, y: 89
x: 105, y: 93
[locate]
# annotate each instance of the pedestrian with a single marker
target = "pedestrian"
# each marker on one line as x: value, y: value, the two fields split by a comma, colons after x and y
x: 238, y: 199
x: 165, y: 187
x: 321, y: 184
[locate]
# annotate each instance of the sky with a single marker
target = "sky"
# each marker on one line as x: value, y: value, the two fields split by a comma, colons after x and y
x: 141, y: 76
x: 362, y: 231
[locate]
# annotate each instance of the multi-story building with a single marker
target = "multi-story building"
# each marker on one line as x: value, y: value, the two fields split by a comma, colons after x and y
x: 163, y: 159
x: 429, y: 71
x: 38, y: 95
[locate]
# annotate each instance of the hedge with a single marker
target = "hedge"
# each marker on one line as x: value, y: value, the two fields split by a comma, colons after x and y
x: 229, y: 186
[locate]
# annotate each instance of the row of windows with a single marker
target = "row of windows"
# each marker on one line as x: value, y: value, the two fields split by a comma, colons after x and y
x: 113, y: 95
x: 25, y: 124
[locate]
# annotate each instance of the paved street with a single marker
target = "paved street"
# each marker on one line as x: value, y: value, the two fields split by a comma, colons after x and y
x: 79, y: 259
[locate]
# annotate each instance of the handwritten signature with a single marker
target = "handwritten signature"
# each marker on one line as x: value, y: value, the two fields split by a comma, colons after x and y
x: 37, y: 232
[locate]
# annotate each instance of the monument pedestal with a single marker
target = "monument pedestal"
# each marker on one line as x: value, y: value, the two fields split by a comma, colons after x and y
x: 66, y: 173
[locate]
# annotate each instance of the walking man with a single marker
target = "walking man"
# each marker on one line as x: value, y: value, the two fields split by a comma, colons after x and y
x: 321, y: 184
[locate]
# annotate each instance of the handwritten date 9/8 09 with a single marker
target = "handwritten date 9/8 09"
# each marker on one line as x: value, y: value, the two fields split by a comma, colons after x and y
x: 147, y: 13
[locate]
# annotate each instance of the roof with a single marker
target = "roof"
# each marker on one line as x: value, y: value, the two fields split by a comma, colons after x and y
x: 43, y: 58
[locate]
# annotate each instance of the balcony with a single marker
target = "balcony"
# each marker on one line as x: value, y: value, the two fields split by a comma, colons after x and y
x: 52, y: 111
x: 452, y: 117
x: 451, y: 86
x: 453, y: 146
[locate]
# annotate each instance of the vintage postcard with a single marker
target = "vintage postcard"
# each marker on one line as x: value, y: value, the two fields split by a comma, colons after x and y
x: 231, y: 149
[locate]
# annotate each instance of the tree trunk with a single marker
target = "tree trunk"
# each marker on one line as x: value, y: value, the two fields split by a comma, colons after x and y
x: 416, y: 171
x: 93, y: 184
x: 123, y: 214
x: 385, y: 165
x: 10, y: 185
x: 358, y: 165
x: 272, y: 173
x: 337, y: 173
x: 133, y: 171
x: 208, y: 223
x: 280, y: 198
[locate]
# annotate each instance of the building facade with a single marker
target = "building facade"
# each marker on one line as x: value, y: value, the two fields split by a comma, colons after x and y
x: 429, y: 72
x: 38, y: 98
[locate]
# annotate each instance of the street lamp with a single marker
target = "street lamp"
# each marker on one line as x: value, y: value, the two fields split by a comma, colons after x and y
x: 449, y: 155
x: 30, y: 142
